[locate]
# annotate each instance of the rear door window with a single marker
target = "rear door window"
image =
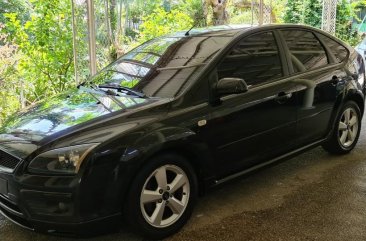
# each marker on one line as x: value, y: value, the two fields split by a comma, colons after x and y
x: 339, y: 51
x: 306, y: 52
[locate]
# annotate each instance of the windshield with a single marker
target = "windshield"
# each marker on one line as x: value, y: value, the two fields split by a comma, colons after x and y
x: 162, y: 67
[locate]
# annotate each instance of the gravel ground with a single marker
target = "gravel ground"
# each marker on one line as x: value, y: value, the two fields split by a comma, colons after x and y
x: 314, y: 196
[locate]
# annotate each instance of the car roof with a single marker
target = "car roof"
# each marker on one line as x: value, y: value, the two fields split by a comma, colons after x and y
x: 213, y: 31
x: 235, y: 29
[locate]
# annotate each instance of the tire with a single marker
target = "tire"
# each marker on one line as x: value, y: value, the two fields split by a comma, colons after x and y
x: 346, y: 130
x: 149, y: 196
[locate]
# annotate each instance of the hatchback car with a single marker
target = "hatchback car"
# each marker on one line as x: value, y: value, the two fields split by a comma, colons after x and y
x: 175, y: 116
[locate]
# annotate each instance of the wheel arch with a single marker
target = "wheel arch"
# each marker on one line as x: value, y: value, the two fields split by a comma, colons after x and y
x: 352, y: 95
x: 177, y: 140
x: 196, y: 154
x: 358, y: 99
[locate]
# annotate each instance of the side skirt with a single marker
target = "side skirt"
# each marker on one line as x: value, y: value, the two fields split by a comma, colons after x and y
x: 267, y: 163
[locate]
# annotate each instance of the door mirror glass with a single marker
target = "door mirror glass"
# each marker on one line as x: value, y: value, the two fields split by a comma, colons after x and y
x: 228, y: 86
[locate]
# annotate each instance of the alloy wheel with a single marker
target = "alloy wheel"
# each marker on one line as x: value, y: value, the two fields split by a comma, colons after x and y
x: 165, y: 196
x: 348, y: 127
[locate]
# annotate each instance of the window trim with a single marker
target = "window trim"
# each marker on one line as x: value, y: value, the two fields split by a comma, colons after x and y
x: 327, y: 48
x: 331, y: 57
x: 299, y: 75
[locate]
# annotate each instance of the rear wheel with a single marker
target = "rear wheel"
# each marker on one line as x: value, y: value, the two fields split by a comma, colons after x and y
x: 346, y: 131
x: 162, y: 196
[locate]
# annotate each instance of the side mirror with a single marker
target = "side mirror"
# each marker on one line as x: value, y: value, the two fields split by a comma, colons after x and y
x: 228, y: 86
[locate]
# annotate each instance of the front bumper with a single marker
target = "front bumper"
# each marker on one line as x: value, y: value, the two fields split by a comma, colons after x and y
x: 52, y: 205
x: 86, y: 204
x: 13, y: 213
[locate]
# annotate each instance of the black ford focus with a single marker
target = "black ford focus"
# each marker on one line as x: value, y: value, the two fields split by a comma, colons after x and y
x: 172, y: 118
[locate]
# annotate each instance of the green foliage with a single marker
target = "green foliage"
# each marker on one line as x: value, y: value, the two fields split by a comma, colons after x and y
x: 345, y: 12
x: 45, y: 42
x: 307, y: 12
x: 195, y: 9
x: 310, y: 12
x: 14, y: 6
x: 243, y: 17
x: 293, y: 11
x: 9, y: 103
x: 161, y: 22
x: 313, y: 12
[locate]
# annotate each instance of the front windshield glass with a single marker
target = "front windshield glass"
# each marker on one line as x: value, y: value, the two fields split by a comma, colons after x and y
x: 162, y: 67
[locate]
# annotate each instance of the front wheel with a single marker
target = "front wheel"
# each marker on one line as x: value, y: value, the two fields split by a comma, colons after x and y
x: 346, y: 131
x: 162, y: 196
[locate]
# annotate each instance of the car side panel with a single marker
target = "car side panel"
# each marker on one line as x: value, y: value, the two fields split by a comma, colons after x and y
x: 313, y: 122
x: 249, y: 128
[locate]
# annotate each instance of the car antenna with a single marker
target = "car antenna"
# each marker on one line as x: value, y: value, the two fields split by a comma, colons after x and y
x: 187, y: 33
x: 196, y: 22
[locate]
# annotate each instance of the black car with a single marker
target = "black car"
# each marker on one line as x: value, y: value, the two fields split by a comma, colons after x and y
x: 172, y: 118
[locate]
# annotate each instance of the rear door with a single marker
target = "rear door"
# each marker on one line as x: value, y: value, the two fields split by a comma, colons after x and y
x: 317, y: 64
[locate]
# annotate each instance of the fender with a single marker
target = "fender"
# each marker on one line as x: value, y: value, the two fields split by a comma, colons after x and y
x: 177, y: 139
x: 350, y: 94
x: 128, y: 161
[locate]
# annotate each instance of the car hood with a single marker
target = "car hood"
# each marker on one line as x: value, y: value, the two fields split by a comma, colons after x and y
x: 22, y: 132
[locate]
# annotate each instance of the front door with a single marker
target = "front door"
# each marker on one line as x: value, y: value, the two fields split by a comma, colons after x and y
x: 254, y: 126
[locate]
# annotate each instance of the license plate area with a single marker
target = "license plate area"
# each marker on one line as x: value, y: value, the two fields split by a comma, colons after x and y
x: 3, y: 187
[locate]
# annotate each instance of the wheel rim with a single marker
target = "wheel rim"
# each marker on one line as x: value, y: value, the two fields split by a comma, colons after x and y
x: 164, y: 196
x: 348, y: 127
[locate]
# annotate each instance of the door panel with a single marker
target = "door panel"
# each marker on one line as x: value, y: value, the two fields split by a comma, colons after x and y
x: 308, y: 54
x: 246, y: 129
x: 313, y: 123
x: 252, y: 127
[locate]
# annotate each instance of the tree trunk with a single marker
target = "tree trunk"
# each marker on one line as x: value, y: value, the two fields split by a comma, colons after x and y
x: 108, y: 22
x: 112, y: 15
x: 220, y: 15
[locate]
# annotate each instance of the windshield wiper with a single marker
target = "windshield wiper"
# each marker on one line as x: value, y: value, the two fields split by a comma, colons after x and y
x: 92, y: 91
x: 122, y: 89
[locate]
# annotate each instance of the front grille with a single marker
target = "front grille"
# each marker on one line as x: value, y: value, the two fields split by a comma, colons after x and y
x: 8, y: 161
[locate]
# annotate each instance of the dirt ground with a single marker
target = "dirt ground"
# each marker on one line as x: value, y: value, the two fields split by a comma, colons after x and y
x: 314, y: 196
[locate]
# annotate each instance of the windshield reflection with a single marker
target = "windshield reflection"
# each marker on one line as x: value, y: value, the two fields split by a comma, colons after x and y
x: 163, y: 67
x: 64, y: 111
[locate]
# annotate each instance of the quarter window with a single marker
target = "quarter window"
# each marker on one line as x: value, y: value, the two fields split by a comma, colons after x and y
x: 306, y: 52
x: 255, y: 59
x: 338, y: 50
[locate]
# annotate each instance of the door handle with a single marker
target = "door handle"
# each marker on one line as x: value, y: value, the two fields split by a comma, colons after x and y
x: 282, y: 97
x: 334, y: 80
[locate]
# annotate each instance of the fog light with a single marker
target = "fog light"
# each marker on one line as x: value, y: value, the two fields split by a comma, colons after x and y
x: 63, y: 208
x: 49, y: 204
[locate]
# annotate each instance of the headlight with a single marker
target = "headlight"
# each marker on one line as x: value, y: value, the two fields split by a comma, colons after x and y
x: 65, y: 160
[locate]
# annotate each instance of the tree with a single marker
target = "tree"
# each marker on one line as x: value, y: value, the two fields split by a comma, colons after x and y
x: 313, y: 12
x: 19, y: 6
x: 346, y: 11
x: 45, y: 40
x: 8, y: 58
x: 220, y: 15
x: 293, y: 11
x: 161, y: 22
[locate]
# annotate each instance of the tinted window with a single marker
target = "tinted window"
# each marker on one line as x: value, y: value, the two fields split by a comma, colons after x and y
x: 306, y: 51
x: 255, y: 59
x: 164, y: 66
x: 338, y: 50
